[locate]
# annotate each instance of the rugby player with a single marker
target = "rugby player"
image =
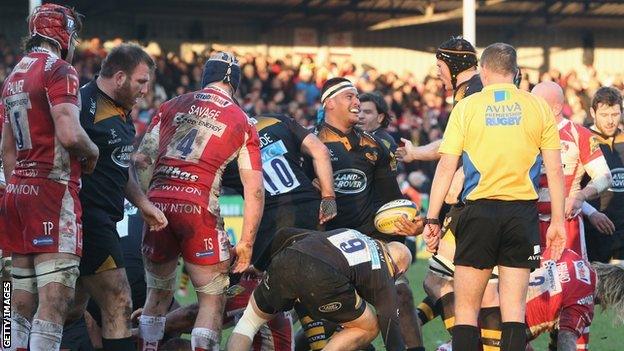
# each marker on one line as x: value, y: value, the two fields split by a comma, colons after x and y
x: 605, y: 241
x: 580, y: 154
x: 498, y: 225
x: 195, y: 136
x: 364, y: 178
x: 335, y: 275
x: 44, y: 148
x: 561, y: 297
x: 374, y: 118
x: 106, y: 104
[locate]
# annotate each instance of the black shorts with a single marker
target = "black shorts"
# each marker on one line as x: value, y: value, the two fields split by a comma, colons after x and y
x: 321, y: 289
x: 449, y: 224
x: 76, y: 336
x: 602, y: 247
x: 101, y: 249
x: 494, y: 232
x: 304, y: 215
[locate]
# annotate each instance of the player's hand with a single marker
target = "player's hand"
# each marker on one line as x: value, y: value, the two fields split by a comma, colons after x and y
x: 601, y: 222
x: 409, y: 228
x: 134, y: 317
x: 406, y: 152
x: 153, y: 217
x: 88, y: 164
x: 573, y: 205
x: 328, y: 209
x: 243, y: 252
x: 555, y: 240
x: 432, y: 234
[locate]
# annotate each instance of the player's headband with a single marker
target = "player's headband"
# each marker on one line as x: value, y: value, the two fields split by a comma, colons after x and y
x: 457, y: 61
x: 336, y: 89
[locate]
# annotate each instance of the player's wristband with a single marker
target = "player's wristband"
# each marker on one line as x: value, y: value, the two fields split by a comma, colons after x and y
x: 432, y: 221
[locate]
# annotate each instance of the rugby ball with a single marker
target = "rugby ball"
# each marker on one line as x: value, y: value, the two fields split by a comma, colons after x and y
x: 389, y: 213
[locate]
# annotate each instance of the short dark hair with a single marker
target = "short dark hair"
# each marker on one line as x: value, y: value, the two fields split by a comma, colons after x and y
x: 607, y: 96
x: 380, y: 104
x: 125, y: 58
x: 500, y: 58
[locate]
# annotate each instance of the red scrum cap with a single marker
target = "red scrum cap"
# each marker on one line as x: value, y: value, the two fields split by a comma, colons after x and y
x: 55, y: 22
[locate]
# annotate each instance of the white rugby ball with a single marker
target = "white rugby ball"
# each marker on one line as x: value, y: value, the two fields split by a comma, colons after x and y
x: 389, y: 213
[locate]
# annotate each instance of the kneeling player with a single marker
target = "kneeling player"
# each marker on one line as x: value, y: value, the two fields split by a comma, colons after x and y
x: 333, y: 275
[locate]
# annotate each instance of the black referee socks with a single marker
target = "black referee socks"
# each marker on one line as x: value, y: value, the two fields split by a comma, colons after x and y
x: 513, y: 337
x: 466, y: 338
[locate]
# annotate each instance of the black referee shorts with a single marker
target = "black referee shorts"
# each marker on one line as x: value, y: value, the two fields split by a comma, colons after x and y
x: 323, y: 291
x: 496, y: 232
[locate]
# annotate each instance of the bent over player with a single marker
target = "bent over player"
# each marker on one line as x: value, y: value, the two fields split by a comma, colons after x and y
x: 44, y: 148
x: 199, y: 133
x: 334, y: 275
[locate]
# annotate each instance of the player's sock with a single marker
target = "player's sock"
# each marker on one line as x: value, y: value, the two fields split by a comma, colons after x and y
x: 45, y: 335
x: 204, y: 339
x: 466, y: 338
x: 552, y: 342
x: 20, y: 330
x: 315, y: 333
x: 490, y: 323
x: 428, y: 309
x: 124, y: 344
x: 151, y: 332
x: 513, y: 336
x: 448, y: 310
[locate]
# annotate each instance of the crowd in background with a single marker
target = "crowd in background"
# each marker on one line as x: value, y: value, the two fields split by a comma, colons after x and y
x: 291, y: 85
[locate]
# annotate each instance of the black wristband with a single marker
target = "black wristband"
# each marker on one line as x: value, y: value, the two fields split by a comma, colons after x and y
x: 432, y: 221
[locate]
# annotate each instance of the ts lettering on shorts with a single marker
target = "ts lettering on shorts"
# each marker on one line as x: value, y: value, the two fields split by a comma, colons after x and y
x: 356, y: 248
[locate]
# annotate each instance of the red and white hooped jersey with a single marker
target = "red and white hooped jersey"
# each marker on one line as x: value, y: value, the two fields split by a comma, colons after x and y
x: 580, y: 154
x: 38, y: 82
x: 561, y: 294
x: 199, y: 134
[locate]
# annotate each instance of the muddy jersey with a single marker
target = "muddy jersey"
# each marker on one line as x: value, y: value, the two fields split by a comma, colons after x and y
x: 38, y: 82
x: 110, y: 127
x: 580, y: 154
x: 561, y: 294
x: 200, y: 133
x: 363, y: 169
x: 285, y: 181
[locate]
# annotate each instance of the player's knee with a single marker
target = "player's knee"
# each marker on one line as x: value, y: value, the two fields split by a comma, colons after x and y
x: 62, y: 271
x: 250, y: 323
x: 216, y: 286
x: 166, y: 283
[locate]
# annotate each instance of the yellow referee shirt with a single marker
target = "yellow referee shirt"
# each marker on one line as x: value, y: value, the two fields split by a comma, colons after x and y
x: 499, y: 133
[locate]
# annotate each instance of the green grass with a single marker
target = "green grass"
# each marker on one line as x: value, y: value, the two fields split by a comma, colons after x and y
x: 603, y: 335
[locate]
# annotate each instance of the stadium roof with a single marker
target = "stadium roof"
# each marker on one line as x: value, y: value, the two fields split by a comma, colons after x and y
x: 362, y: 14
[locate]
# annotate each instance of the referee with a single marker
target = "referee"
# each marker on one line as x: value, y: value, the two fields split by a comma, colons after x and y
x: 502, y: 135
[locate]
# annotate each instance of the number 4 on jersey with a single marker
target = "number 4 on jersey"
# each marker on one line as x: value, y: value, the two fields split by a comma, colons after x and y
x: 185, y: 146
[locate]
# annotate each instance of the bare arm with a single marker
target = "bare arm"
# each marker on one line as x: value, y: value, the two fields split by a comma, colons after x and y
x: 555, y: 236
x: 409, y: 152
x: 441, y: 183
x: 69, y: 132
x: 566, y: 341
x: 253, y: 207
x: 9, y: 153
x: 315, y: 148
x: 145, y: 156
